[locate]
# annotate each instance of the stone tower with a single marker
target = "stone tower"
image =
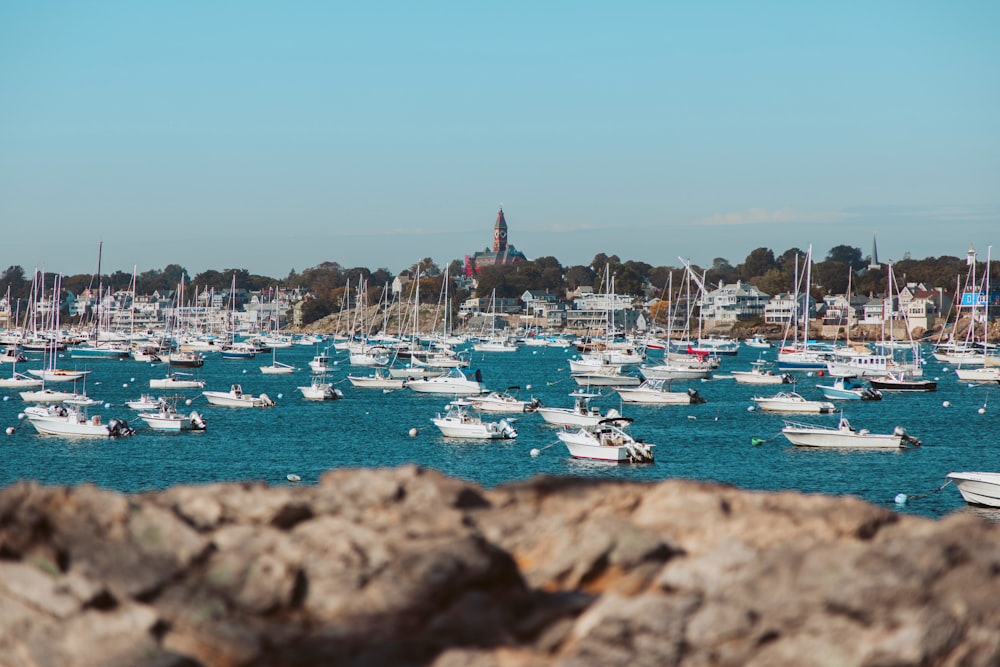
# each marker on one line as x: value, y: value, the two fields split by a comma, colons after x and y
x: 500, y: 233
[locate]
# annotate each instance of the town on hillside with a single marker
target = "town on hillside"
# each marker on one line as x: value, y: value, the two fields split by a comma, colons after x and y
x: 846, y: 294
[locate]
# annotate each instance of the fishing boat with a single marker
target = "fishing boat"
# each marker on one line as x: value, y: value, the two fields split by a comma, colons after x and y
x: 504, y: 401
x: 453, y: 382
x: 235, y: 398
x: 73, y: 421
x: 320, y: 390
x: 166, y: 418
x: 978, y: 488
x: 145, y: 402
x: 610, y: 376
x: 844, y: 435
x: 457, y: 422
x: 11, y: 355
x: 320, y: 363
x: 671, y: 370
x: 183, y: 359
x: 608, y: 441
x: 657, y: 392
x: 758, y: 342
x: 581, y: 414
x: 840, y: 390
x: 790, y: 401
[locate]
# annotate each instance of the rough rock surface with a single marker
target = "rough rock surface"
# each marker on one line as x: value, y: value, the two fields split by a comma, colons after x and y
x: 409, y: 567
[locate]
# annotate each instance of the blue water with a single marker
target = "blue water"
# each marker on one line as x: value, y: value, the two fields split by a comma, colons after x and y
x: 370, y: 428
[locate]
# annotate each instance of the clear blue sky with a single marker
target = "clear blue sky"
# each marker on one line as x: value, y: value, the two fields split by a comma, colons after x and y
x: 278, y: 135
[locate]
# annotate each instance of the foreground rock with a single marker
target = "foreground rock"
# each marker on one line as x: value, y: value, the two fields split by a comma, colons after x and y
x: 408, y: 567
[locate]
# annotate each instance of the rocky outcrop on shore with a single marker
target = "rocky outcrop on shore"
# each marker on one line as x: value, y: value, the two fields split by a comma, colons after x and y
x: 409, y: 567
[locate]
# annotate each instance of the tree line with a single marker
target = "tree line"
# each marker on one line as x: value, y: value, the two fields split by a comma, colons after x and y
x: 331, y: 285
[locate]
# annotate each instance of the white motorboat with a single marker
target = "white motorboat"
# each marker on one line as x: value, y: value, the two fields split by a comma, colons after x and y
x: 844, y: 435
x: 611, y: 376
x: 978, y: 488
x: 790, y: 401
x: 608, y: 441
x: 176, y: 381
x: 146, y: 402
x: 840, y: 390
x: 453, y: 382
x: 986, y: 374
x: 495, y: 345
x: 11, y: 355
x: 321, y: 390
x: 504, y: 401
x: 320, y: 363
x: 581, y: 414
x: 411, y: 373
x: 592, y: 363
x: 73, y: 421
x: 235, y: 398
x: 760, y: 374
x: 380, y: 379
x: 657, y: 392
x: 758, y: 342
x: 166, y: 418
x: 458, y: 423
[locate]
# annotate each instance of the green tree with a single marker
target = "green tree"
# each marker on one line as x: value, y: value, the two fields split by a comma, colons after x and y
x: 848, y: 255
x: 757, y: 263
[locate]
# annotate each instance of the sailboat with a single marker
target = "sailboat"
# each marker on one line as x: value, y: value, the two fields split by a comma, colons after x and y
x: 50, y: 373
x: 800, y: 356
x: 276, y: 367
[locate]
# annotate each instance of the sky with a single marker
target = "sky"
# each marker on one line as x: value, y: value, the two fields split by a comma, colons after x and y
x: 273, y: 136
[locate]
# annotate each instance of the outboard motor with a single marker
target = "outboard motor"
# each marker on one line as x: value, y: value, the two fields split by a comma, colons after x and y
x: 197, y: 423
x: 696, y: 398
x: 871, y: 394
x: 266, y: 401
x: 507, y: 429
x: 532, y: 405
x: 907, y: 439
x: 119, y: 428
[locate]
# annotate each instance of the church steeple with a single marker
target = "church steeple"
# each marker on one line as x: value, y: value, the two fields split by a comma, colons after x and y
x: 500, y: 232
x: 873, y: 264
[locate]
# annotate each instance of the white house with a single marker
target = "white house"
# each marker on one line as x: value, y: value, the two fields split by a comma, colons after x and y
x: 732, y: 303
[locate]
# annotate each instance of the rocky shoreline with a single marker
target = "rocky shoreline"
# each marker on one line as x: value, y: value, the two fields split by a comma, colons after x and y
x: 408, y: 567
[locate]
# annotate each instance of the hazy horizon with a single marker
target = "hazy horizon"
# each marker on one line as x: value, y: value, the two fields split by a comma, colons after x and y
x: 276, y: 137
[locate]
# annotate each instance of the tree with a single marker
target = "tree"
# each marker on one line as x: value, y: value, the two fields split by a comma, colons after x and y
x: 830, y: 277
x: 846, y: 255
x: 786, y: 261
x: 578, y: 275
x: 721, y: 271
x: 758, y: 262
x: 775, y: 281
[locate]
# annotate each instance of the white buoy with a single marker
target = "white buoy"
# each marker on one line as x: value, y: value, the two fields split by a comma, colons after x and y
x: 750, y: 408
x: 125, y: 385
x: 280, y: 395
x: 6, y: 398
x: 970, y: 385
x: 809, y: 374
x: 937, y: 379
x: 107, y: 405
x: 527, y: 387
x: 335, y: 363
x: 292, y: 477
x: 981, y: 411
x: 692, y: 418
x: 413, y: 432
x: 131, y: 379
x: 10, y: 430
x: 535, y: 451
x: 534, y: 351
x: 901, y: 498
x: 244, y: 371
x: 946, y: 404
x: 187, y: 402
x: 20, y: 415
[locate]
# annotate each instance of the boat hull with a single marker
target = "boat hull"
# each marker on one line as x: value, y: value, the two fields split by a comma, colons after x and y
x: 978, y: 488
x: 829, y: 438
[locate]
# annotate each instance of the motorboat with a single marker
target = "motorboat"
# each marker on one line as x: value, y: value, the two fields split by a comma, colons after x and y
x: 11, y: 355
x: 166, y: 418
x: 454, y: 381
x: 608, y: 441
x: 841, y: 391
x: 495, y: 344
x: 176, y: 381
x: 758, y: 342
x: 146, y: 402
x: 657, y: 392
x: 978, y: 488
x: 984, y: 374
x: 504, y: 401
x: 759, y: 373
x: 239, y: 350
x: 612, y: 376
x: 581, y: 414
x: 790, y: 401
x: 73, y: 420
x: 320, y: 363
x: 411, y: 373
x: 457, y: 422
x: 378, y: 355
x: 592, y: 363
x: 100, y: 350
x: 235, y: 398
x: 321, y: 390
x: 899, y: 382
x: 844, y: 435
